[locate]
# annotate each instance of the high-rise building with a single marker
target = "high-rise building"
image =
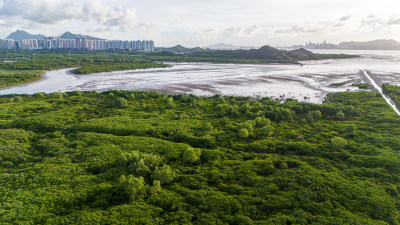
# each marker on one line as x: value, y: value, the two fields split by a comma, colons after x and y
x: 80, y: 43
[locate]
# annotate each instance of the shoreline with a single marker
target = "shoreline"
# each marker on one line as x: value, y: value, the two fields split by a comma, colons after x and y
x: 317, y: 94
x: 41, y: 78
x: 187, y: 79
x: 71, y: 70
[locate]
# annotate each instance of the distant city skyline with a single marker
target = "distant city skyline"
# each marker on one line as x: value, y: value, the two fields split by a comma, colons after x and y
x: 77, y: 43
x: 202, y: 23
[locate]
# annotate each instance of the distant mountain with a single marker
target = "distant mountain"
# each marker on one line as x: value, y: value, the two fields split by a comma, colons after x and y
x: 23, y: 35
x: 265, y: 54
x: 301, y: 52
x: 179, y: 49
x: 371, y: 45
x: 222, y: 46
x: 69, y: 35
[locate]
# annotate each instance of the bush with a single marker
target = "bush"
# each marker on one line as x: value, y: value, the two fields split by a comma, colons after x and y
x: 120, y: 103
x: 131, y: 96
x: 243, y: 133
x: 39, y: 95
x: 351, y: 128
x: 57, y: 95
x: 164, y: 174
x: 190, y: 156
x: 338, y: 143
x: 266, y: 131
x: 135, y: 188
x: 262, y: 122
x: 17, y: 99
x: 207, y: 127
x: 170, y: 103
x: 317, y: 114
x: 248, y: 125
x: 340, y: 115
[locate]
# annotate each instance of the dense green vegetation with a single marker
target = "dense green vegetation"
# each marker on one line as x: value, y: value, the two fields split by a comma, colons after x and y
x: 90, y: 62
x: 264, y: 55
x: 123, y: 157
x: 14, y: 77
x: 337, y: 84
x: 363, y: 86
x: 393, y: 91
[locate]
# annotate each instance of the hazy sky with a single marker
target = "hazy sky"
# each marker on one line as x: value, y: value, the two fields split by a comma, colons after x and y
x: 201, y: 23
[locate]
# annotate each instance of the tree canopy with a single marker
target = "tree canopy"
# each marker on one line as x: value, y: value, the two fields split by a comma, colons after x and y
x: 75, y: 158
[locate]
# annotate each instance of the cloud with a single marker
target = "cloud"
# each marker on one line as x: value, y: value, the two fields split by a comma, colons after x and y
x: 191, y: 36
x: 301, y: 29
x: 53, y: 12
x: 210, y: 34
x: 177, y: 34
x: 40, y: 11
x: 145, y: 26
x: 394, y: 21
x: 103, y: 14
x: 372, y: 22
x: 345, y: 18
x: 97, y: 30
x: 250, y: 31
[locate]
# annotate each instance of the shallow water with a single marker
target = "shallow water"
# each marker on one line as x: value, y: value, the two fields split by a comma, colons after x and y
x: 310, y: 82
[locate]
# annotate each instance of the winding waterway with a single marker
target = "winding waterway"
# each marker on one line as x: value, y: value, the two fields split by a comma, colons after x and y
x: 310, y: 82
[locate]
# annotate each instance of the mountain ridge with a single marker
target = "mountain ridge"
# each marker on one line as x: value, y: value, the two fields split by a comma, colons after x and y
x: 69, y: 35
x: 19, y: 35
x: 379, y: 44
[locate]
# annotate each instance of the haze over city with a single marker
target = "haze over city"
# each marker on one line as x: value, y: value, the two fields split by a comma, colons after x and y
x: 201, y: 23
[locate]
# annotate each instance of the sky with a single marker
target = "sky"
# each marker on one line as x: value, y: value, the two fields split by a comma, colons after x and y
x: 195, y: 23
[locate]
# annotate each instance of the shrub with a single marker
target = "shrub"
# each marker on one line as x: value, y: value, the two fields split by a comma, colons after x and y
x: 164, y: 174
x: 317, y: 114
x: 120, y: 103
x: 17, y: 99
x: 57, y: 95
x: 338, y: 143
x: 243, y: 133
x: 39, y: 95
x: 170, y: 103
x: 190, y: 156
x: 266, y: 131
x: 351, y: 128
x: 131, y: 96
x: 262, y: 121
x: 340, y: 115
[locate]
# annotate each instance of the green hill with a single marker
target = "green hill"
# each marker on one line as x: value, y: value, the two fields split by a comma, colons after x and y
x: 265, y: 54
